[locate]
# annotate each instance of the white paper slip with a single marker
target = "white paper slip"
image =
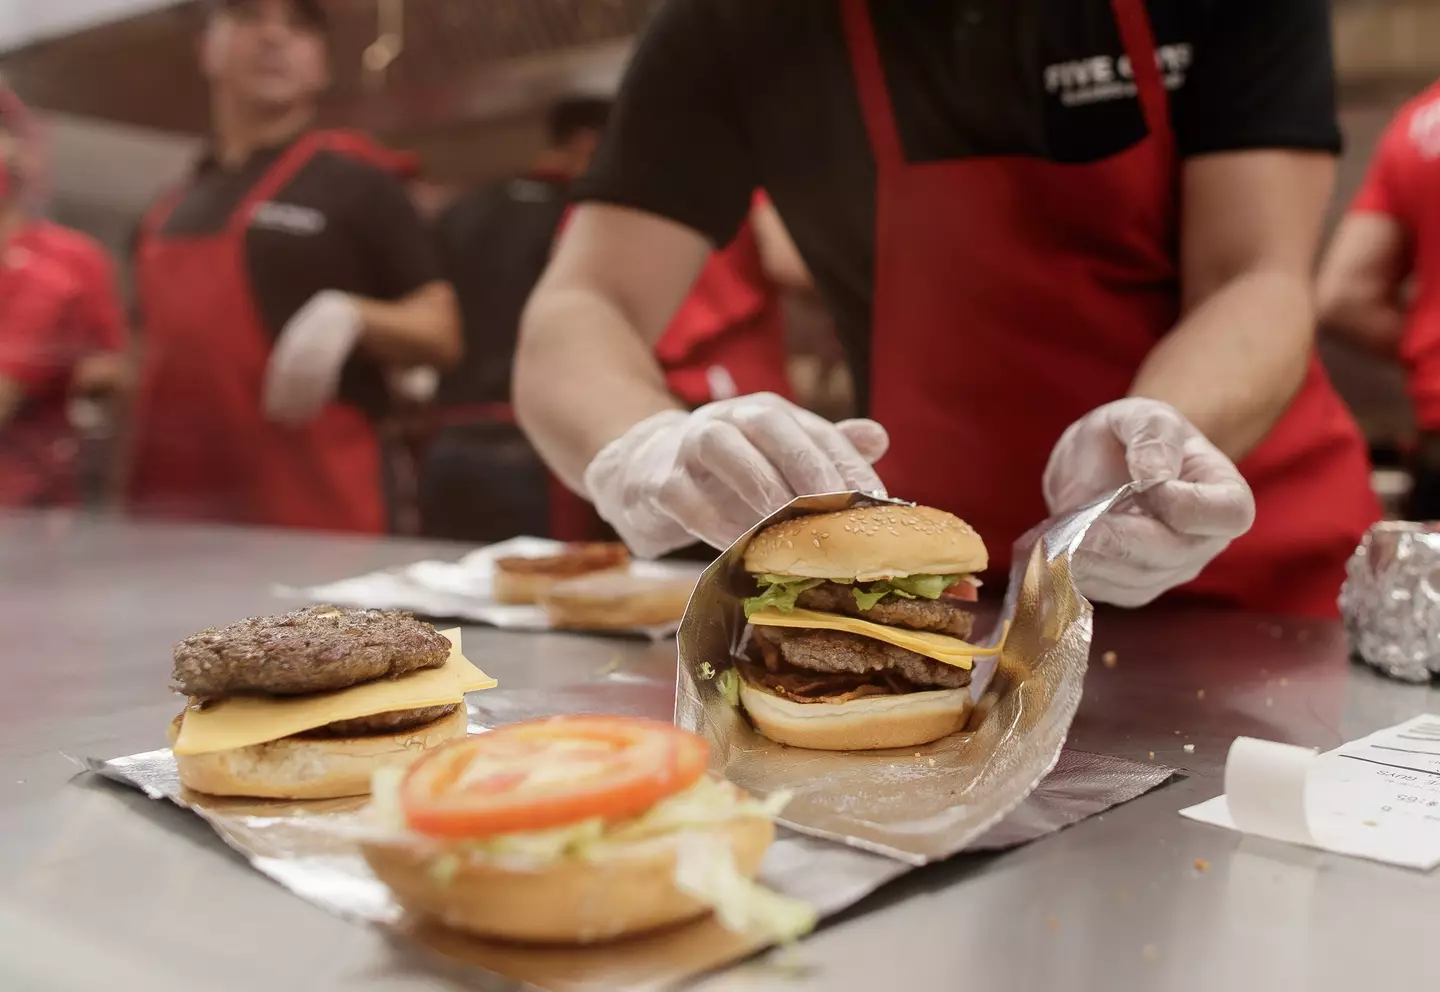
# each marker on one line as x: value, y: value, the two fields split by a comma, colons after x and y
x: 1376, y: 798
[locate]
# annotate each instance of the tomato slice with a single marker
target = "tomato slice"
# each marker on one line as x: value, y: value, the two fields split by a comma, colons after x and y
x: 549, y: 773
x: 965, y: 591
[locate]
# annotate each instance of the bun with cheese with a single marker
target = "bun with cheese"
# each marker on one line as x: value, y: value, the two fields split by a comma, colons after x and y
x: 859, y: 627
x: 524, y: 580
x: 310, y: 704
x: 575, y: 830
x: 617, y: 601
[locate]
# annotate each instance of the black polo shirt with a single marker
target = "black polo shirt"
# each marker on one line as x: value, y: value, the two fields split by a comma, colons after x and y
x: 726, y: 96
x: 340, y: 223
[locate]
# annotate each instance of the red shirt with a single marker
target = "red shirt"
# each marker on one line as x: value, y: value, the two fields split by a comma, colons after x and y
x: 58, y: 305
x: 1404, y: 184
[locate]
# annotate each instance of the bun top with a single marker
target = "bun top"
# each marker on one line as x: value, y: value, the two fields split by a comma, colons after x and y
x: 868, y: 543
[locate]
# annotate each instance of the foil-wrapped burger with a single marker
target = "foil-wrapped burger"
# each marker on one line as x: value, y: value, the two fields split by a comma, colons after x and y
x: 1391, y: 599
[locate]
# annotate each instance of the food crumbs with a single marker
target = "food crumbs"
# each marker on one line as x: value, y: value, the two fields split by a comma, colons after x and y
x: 1189, y: 748
x: 1152, y: 755
x: 1150, y: 952
x: 1110, y: 659
x: 932, y: 762
x: 1177, y: 733
x: 1370, y: 823
x: 1052, y: 923
x: 1201, y: 864
x: 816, y: 542
x: 1199, y: 693
x: 919, y: 755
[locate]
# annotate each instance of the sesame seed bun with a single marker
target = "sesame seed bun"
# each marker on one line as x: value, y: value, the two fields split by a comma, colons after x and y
x: 868, y: 543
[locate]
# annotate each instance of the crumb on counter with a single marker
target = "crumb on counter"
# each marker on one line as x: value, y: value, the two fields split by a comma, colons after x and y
x: 1152, y: 755
x: 1052, y: 923
x: 1202, y: 865
x: 1189, y: 748
x: 1199, y: 693
x: 1110, y: 659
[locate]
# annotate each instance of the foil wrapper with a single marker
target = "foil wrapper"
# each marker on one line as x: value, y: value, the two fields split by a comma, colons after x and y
x: 916, y: 804
x: 1391, y: 599
x: 308, y: 847
x: 463, y: 589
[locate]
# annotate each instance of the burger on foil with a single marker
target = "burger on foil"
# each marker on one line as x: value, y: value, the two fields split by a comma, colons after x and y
x: 858, y: 628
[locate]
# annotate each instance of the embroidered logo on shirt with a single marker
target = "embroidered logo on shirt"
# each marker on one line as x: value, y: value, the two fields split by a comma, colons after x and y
x: 288, y: 218
x: 1102, y: 78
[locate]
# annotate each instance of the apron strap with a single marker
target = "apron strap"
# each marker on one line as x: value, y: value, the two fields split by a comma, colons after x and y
x: 1139, y: 41
x: 870, y: 81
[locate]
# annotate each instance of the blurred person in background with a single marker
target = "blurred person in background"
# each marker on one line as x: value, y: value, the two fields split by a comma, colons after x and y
x: 62, y: 337
x: 1065, y: 251
x: 1380, y: 281
x: 483, y: 480
x: 280, y: 289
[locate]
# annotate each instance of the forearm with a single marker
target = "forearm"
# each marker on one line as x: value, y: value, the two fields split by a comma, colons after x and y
x: 1235, y: 361
x: 1375, y: 325
x: 576, y: 392
x: 420, y: 329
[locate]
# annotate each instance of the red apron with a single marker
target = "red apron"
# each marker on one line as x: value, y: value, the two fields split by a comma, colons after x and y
x: 203, y: 447
x: 727, y: 339
x: 1013, y: 295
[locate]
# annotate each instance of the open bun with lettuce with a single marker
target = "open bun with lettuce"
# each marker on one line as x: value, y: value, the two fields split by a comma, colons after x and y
x: 576, y: 830
x: 860, y: 621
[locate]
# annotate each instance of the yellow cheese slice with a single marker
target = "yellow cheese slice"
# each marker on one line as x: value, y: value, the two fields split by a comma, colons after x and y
x: 245, y: 720
x: 941, y: 647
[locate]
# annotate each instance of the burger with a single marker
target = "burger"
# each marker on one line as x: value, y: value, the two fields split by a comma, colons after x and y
x: 310, y: 704
x: 617, y: 601
x: 575, y: 830
x: 523, y: 580
x: 859, y: 627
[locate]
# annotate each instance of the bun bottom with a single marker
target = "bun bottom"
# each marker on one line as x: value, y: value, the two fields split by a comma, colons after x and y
x: 616, y: 602
x: 574, y: 900
x: 528, y: 588
x: 311, y: 767
x: 865, y: 724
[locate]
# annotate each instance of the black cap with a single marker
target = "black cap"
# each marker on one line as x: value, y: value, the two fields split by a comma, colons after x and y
x: 313, y: 12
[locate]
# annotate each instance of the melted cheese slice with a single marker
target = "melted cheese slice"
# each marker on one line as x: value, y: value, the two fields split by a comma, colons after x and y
x: 940, y: 647
x: 245, y: 720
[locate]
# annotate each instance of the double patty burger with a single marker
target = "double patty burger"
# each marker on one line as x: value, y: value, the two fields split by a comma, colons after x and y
x: 250, y: 683
x: 859, y: 627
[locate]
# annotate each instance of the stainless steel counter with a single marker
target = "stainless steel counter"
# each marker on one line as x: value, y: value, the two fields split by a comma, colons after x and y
x: 101, y: 888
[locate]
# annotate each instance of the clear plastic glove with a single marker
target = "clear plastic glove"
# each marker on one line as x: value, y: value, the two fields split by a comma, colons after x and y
x: 1196, y: 504
x: 712, y: 474
x: 308, y: 357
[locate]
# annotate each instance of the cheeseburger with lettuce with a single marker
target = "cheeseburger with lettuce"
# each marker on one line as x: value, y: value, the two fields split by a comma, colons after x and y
x: 859, y: 627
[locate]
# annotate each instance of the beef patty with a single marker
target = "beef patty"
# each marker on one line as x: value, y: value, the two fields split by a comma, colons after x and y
x: 943, y: 616
x: 839, y: 652
x: 382, y: 723
x: 317, y: 649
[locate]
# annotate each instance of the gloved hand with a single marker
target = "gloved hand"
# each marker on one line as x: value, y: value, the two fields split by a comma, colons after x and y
x: 1197, y: 502
x: 712, y: 474
x: 308, y: 357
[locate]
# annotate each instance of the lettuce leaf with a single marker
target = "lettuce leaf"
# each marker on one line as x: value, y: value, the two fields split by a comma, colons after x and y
x: 778, y: 592
x: 904, y: 587
x: 707, y: 871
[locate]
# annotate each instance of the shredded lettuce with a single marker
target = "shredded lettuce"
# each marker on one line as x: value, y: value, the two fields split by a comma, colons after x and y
x: 904, y: 587
x: 707, y: 872
x: 729, y: 685
x: 778, y: 592
x: 707, y: 670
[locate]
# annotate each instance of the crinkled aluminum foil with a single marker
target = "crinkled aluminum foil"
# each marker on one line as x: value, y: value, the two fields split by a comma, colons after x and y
x: 307, y: 848
x: 914, y: 804
x: 1391, y: 599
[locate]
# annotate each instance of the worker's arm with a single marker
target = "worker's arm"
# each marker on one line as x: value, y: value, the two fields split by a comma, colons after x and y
x: 1250, y: 221
x: 1362, y: 282
x: 420, y: 328
x: 778, y: 254
x: 585, y: 369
